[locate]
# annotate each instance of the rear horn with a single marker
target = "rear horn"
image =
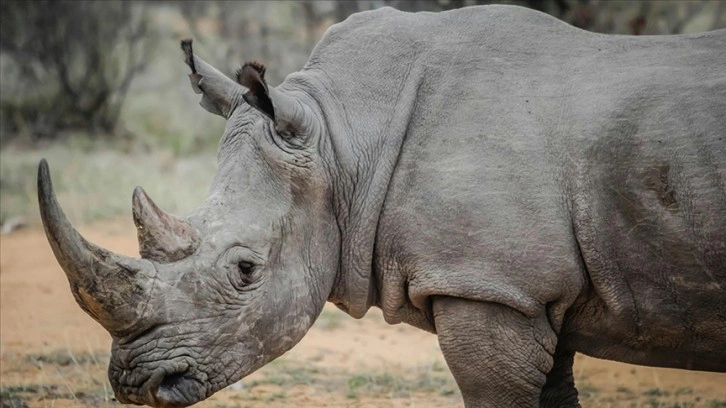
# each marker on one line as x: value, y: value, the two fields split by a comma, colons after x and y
x: 162, y: 237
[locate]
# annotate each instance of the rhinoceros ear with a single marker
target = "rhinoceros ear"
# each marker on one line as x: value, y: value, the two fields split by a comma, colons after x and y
x: 220, y: 94
x: 252, y: 76
x: 286, y: 112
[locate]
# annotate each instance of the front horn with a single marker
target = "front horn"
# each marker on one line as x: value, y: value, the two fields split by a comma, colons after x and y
x: 113, y: 289
x: 162, y: 237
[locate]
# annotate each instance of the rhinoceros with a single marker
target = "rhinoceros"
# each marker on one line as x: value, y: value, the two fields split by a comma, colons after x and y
x: 523, y: 189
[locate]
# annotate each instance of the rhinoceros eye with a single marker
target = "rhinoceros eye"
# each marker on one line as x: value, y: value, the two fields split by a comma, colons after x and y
x: 243, y: 266
x: 246, y: 269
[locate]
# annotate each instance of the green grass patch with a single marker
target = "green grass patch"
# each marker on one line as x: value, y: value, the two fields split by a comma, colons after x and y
x: 586, y: 390
x: 61, y: 375
x: 67, y: 357
x: 684, y: 391
x: 283, y: 374
x: 656, y: 392
x: 19, y: 395
x: 330, y: 320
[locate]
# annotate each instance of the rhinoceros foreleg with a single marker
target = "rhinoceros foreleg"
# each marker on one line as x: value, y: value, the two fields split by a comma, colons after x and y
x: 559, y: 390
x: 499, y: 357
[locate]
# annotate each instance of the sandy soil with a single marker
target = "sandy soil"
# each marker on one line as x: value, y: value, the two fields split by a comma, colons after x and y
x: 53, y: 355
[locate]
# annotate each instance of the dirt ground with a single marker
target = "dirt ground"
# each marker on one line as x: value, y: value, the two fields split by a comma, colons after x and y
x: 53, y: 355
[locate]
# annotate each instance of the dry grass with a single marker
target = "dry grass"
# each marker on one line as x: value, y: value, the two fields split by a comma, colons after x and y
x: 72, y: 378
x: 96, y: 183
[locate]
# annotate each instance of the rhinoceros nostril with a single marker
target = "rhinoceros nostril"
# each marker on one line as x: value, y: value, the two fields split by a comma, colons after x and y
x: 172, y: 381
x: 177, y: 389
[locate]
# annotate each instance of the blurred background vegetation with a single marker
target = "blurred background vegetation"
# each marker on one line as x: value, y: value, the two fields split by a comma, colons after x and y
x: 99, y: 87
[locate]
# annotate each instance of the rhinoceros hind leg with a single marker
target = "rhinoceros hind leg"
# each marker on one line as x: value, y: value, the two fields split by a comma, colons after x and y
x: 559, y: 390
x: 498, y: 356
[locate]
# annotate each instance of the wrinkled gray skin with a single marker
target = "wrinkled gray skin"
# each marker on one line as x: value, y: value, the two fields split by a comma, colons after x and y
x: 520, y: 187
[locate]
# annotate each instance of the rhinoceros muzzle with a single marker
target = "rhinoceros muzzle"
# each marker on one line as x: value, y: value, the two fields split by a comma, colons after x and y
x: 113, y: 289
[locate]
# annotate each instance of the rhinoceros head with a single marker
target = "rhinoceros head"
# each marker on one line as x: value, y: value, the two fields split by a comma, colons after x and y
x: 237, y: 283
